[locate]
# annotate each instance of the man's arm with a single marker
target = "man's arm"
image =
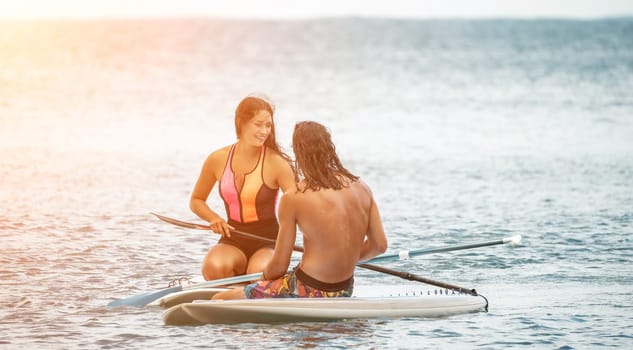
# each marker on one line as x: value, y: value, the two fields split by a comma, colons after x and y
x: 284, y: 246
x: 375, y: 241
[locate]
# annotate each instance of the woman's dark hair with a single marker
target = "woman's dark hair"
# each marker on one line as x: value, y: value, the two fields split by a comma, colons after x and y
x: 317, y: 159
x: 247, y: 109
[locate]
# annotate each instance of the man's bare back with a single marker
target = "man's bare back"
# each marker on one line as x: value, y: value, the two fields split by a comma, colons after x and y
x: 334, y: 224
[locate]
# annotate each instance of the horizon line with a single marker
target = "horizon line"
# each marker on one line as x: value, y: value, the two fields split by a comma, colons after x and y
x: 311, y: 17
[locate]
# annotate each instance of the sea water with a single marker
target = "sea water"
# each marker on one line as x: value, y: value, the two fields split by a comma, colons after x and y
x: 466, y: 131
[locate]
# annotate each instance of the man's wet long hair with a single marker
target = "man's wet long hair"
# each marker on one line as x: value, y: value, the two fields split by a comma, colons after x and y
x: 316, y: 158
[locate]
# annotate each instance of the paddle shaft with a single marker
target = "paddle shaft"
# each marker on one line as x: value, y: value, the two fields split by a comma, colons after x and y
x: 366, y: 265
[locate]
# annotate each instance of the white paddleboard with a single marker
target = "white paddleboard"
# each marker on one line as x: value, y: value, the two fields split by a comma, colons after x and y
x: 320, y: 309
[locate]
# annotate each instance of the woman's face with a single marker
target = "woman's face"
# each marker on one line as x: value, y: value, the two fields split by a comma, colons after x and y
x: 256, y: 131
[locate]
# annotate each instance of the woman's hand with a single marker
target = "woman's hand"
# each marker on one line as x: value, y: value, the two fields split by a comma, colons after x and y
x: 219, y: 225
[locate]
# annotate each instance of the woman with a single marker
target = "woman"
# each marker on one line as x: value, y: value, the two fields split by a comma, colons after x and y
x: 249, y: 174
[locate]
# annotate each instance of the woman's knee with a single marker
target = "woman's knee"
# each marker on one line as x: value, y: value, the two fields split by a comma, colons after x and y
x: 213, y: 269
x: 259, y: 260
x: 223, y: 262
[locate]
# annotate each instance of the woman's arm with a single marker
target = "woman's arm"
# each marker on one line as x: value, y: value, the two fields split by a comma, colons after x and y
x: 198, y: 201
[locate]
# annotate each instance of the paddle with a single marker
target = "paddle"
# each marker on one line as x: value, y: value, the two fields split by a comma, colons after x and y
x: 146, y: 298
x: 402, y: 255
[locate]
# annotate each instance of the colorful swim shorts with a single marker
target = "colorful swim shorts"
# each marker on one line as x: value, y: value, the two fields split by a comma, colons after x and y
x: 297, y: 284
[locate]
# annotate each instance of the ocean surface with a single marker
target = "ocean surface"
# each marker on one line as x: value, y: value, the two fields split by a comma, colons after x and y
x: 466, y: 130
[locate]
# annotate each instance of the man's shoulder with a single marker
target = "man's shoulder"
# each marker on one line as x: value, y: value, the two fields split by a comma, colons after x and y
x: 304, y: 194
x: 359, y: 184
x: 362, y: 183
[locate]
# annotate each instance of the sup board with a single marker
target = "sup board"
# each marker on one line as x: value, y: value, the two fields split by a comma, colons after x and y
x: 283, y: 310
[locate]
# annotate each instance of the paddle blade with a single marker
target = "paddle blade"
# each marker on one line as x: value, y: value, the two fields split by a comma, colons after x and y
x: 182, y: 223
x: 144, y: 298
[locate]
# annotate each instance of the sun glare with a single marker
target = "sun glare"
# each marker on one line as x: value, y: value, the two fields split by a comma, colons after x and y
x: 28, y: 9
x: 39, y: 9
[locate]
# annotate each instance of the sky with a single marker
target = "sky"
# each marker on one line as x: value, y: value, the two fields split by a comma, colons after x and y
x: 296, y: 9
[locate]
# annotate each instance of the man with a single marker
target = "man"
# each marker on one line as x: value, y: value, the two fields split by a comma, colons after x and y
x: 339, y: 219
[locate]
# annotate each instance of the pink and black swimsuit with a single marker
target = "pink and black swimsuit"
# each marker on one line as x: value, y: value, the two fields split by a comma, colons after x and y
x: 250, y: 209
